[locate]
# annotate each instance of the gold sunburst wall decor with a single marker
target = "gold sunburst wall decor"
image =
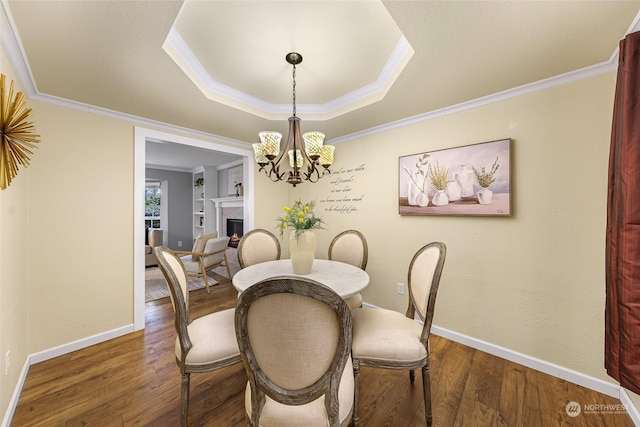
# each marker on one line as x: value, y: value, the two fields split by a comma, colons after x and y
x: 17, y: 132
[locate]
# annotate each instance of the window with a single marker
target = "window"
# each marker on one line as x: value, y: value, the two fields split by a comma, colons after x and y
x: 152, y: 205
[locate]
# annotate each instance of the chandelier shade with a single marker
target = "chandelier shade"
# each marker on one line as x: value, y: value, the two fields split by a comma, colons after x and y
x: 313, y: 143
x: 295, y: 158
x: 309, y: 158
x: 326, y: 155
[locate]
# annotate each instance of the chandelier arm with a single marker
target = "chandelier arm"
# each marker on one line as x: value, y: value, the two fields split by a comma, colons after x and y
x: 311, y: 172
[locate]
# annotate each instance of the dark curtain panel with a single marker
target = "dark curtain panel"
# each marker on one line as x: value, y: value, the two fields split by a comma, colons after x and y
x: 622, y: 312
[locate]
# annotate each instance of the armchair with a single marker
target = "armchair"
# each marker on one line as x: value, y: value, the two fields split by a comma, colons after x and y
x: 209, y: 251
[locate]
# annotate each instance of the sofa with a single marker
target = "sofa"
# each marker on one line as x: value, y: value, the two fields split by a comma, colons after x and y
x: 153, y: 238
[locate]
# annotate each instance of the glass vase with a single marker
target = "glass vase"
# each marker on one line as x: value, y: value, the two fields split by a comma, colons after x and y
x: 302, y: 251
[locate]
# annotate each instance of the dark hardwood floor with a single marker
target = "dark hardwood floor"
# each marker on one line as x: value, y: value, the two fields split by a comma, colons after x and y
x: 134, y: 381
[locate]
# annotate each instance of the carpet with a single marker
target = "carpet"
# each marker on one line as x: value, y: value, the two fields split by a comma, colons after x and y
x: 156, y: 286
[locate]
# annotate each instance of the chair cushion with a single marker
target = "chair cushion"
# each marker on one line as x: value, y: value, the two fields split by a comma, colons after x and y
x: 148, y: 249
x: 309, y: 415
x: 193, y: 265
x: 386, y: 335
x: 354, y: 301
x: 213, y: 337
x: 201, y: 241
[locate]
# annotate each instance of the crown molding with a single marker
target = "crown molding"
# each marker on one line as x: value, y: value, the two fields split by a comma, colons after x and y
x: 15, y: 52
x: 562, y: 79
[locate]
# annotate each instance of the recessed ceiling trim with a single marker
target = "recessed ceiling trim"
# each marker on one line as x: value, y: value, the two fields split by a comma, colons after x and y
x: 368, y: 94
x: 178, y: 50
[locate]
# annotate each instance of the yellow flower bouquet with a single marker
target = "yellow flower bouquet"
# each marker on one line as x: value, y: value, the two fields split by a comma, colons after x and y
x: 300, y: 217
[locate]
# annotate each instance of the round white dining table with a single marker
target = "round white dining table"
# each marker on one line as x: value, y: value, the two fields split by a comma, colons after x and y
x: 345, y: 279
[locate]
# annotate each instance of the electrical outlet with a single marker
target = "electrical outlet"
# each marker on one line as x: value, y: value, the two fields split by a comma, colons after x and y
x: 7, y: 362
x: 401, y: 288
x: 179, y: 243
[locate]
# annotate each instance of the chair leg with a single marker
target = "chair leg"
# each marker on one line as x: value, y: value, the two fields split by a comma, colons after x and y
x: 356, y: 392
x: 426, y: 386
x: 184, y: 398
x: 226, y: 264
x: 204, y: 275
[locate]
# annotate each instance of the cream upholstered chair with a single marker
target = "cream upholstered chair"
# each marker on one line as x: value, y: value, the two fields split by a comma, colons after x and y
x: 294, y: 336
x: 350, y: 247
x: 258, y: 246
x: 387, y: 339
x: 209, y: 251
x: 203, y: 344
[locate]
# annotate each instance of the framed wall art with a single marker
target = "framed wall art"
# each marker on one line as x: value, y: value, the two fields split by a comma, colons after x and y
x: 469, y: 180
x: 234, y: 178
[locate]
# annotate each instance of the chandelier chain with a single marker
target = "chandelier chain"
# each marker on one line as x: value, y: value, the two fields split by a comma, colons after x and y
x: 294, y: 90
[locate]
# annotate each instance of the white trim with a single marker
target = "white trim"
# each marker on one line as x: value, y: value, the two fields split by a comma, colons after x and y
x: 17, y: 58
x: 60, y: 350
x: 562, y: 79
x: 601, y: 386
x: 180, y: 52
x: 51, y: 353
x: 141, y: 135
x: 139, y: 180
x: 13, y: 403
x: 632, y: 410
x: 15, y: 51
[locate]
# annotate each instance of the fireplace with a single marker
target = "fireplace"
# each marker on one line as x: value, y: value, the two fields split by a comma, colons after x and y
x: 234, y: 231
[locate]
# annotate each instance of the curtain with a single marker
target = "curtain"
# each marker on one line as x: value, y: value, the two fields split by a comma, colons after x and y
x: 622, y: 310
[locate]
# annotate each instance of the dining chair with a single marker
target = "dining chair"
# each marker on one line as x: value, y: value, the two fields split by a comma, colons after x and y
x: 203, y: 344
x: 209, y: 251
x: 387, y: 339
x: 294, y: 336
x: 258, y: 246
x: 350, y: 247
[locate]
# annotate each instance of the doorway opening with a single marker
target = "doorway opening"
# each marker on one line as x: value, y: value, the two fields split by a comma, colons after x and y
x: 141, y: 137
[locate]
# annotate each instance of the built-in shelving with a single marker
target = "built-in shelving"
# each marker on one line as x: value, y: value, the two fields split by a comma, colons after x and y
x: 204, y: 216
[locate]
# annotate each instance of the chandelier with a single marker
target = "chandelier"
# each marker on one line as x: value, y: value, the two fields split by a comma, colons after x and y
x: 304, y: 161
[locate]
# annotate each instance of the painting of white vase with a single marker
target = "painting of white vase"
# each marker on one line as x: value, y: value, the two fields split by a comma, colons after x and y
x: 465, y: 180
x: 440, y: 198
x: 484, y: 196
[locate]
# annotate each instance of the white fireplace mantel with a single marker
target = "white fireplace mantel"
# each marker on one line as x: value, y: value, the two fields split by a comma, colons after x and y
x: 228, y: 202
x: 225, y: 202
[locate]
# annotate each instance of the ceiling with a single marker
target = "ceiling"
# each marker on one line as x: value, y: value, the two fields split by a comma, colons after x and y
x: 218, y: 67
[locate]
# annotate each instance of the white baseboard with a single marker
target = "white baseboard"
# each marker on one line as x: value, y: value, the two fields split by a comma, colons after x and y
x: 13, y: 403
x: 41, y: 356
x: 80, y: 344
x: 601, y: 386
x: 632, y: 410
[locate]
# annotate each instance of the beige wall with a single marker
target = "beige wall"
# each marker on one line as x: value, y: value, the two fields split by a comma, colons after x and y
x: 532, y: 283
x: 82, y: 243
x: 14, y: 274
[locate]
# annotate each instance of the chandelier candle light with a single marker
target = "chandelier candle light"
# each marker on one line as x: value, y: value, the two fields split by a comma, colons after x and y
x: 313, y: 155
